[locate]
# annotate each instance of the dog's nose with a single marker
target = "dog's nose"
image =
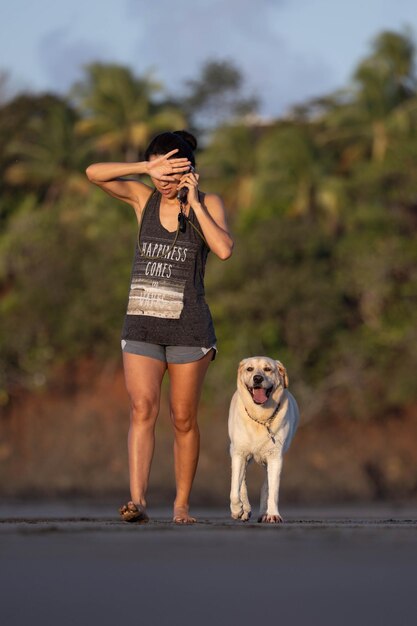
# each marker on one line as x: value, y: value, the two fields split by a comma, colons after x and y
x: 258, y: 379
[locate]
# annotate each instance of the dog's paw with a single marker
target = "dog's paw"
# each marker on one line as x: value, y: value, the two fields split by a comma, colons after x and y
x: 271, y: 519
x: 236, y: 512
x: 239, y: 513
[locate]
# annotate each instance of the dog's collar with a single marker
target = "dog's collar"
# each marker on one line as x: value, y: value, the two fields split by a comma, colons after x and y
x: 265, y: 422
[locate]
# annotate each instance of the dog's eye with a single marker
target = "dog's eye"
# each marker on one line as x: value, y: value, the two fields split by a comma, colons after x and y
x: 250, y: 369
x: 267, y: 369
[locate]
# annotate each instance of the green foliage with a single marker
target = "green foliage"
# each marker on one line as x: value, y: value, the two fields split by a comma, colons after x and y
x: 322, y: 206
x: 229, y: 164
x: 120, y: 111
x: 386, y: 78
x: 279, y: 297
x: 216, y: 96
x: 65, y: 274
x: 45, y: 154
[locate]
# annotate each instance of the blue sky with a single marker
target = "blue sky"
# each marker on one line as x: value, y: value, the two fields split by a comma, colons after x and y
x: 287, y: 50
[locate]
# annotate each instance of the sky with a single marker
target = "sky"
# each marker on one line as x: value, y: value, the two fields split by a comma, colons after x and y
x: 287, y: 50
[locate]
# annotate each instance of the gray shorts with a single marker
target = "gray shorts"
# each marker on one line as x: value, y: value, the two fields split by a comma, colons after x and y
x: 168, y: 354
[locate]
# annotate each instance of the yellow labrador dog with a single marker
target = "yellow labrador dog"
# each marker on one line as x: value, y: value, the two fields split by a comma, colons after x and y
x: 263, y: 419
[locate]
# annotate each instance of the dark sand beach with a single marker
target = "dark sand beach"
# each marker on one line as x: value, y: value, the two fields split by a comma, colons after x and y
x: 68, y: 563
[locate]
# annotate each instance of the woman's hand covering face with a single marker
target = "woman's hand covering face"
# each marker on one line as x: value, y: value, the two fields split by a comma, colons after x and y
x: 163, y: 168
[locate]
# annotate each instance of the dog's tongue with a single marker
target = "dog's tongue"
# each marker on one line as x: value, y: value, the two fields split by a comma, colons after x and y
x: 259, y: 395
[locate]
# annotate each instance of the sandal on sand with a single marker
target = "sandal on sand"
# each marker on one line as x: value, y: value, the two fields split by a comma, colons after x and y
x: 131, y: 512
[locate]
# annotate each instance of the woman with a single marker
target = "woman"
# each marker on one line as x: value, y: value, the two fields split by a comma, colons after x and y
x: 168, y: 325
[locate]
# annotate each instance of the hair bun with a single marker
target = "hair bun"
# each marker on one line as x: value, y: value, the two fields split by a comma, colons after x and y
x: 187, y: 137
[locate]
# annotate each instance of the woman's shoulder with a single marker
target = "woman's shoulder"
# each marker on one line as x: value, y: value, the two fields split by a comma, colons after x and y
x: 213, y: 203
x: 210, y: 195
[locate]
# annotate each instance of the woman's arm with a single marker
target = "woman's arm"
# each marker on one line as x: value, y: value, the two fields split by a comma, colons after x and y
x: 108, y: 176
x: 211, y: 216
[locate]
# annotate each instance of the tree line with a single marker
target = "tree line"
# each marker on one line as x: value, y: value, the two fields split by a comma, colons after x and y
x: 322, y: 204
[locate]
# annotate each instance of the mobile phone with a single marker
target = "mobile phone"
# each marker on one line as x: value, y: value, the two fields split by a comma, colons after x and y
x: 183, y: 192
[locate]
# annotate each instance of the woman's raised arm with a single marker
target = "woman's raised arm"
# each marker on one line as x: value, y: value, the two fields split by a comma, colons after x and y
x: 109, y: 176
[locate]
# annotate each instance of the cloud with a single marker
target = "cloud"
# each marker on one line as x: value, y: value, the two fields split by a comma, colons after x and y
x: 176, y: 39
x: 63, y: 58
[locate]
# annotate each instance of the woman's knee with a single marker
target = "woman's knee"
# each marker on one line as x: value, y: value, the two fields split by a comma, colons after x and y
x: 143, y: 410
x: 184, y: 420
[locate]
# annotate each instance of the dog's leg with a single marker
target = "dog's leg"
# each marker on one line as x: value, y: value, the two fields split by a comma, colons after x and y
x: 238, y: 473
x: 264, y: 498
x: 274, y: 473
x: 244, y: 499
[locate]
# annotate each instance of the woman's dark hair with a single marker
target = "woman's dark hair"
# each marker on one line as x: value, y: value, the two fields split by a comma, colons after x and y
x: 165, y: 142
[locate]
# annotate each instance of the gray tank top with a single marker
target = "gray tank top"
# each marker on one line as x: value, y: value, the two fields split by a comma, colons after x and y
x: 166, y: 303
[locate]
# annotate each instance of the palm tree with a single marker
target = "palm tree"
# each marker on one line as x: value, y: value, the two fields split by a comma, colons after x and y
x: 217, y: 97
x: 363, y: 118
x: 385, y: 81
x: 45, y: 155
x: 230, y: 159
x: 295, y: 175
x: 119, y: 112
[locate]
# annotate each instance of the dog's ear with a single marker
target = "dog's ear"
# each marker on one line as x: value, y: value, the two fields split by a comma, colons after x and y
x: 242, y: 364
x: 283, y: 373
x: 240, y: 368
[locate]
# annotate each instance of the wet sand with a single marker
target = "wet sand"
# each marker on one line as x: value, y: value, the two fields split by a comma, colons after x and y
x: 68, y: 563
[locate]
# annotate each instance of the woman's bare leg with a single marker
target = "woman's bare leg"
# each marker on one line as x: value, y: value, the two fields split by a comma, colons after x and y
x: 186, y: 382
x: 143, y: 377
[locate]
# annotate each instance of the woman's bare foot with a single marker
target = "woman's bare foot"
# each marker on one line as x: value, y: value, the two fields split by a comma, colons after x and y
x: 181, y: 515
x: 132, y: 512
